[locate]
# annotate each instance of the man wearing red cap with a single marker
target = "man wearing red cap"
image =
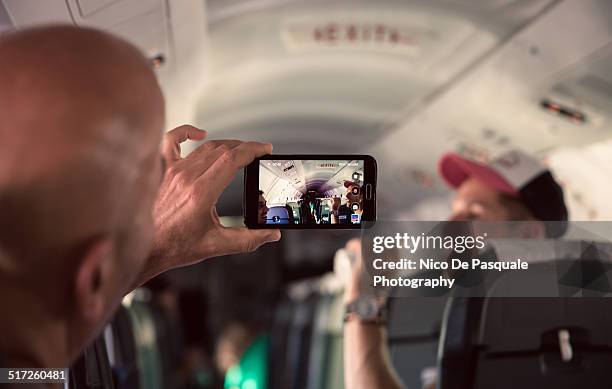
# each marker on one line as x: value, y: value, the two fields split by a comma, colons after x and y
x: 352, y: 210
x: 513, y: 187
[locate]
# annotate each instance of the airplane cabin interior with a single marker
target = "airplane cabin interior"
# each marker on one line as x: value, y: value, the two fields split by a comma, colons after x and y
x: 404, y: 81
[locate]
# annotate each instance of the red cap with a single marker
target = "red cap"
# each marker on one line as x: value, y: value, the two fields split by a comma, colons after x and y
x: 516, y: 174
x: 455, y: 170
x: 348, y: 184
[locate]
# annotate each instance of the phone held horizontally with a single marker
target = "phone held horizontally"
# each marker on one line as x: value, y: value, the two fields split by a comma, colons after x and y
x: 310, y: 192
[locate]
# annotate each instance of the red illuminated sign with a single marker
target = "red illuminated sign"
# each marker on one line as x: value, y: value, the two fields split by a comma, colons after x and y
x: 337, y: 32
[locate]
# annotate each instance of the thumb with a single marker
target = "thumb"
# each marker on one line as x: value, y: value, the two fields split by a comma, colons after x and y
x: 243, y: 240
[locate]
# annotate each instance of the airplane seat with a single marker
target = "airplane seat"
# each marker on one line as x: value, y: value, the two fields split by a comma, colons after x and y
x: 281, y: 326
x: 318, y: 358
x: 526, y: 342
x: 413, y: 332
x: 299, y: 340
x: 146, y: 340
x: 125, y: 367
x: 92, y: 369
x: 334, y: 374
x: 169, y: 342
x: 277, y: 215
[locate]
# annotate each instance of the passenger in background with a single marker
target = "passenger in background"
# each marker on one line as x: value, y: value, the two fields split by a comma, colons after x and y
x: 308, y: 208
x: 242, y: 356
x: 90, y: 209
x: 514, y: 187
x: 291, y: 218
x: 343, y: 214
x: 233, y: 342
x: 262, y: 208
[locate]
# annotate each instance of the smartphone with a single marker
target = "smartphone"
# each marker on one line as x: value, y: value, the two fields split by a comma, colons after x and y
x: 310, y: 192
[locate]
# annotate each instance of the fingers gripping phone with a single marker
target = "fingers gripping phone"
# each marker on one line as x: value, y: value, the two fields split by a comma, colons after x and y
x: 310, y: 192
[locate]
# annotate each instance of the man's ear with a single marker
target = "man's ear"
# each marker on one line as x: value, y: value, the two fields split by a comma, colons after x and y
x: 90, y: 278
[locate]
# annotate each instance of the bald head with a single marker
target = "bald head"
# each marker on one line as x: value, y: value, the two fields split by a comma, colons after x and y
x: 62, y: 86
x: 82, y: 116
x: 81, y: 122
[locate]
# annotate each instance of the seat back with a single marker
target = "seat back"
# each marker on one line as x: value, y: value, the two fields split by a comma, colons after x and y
x: 125, y: 366
x: 526, y: 342
x: 147, y: 349
x: 277, y: 215
x: 92, y: 370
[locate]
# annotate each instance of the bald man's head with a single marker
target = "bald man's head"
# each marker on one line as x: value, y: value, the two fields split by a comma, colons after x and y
x: 64, y: 86
x: 82, y: 117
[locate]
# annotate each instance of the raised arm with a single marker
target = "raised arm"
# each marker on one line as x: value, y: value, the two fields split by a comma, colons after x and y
x: 367, y: 362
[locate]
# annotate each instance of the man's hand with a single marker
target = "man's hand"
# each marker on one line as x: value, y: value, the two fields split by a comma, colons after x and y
x: 187, y: 225
x: 352, y: 290
x: 359, y: 275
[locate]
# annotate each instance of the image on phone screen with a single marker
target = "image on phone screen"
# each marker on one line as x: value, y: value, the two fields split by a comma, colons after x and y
x: 307, y: 192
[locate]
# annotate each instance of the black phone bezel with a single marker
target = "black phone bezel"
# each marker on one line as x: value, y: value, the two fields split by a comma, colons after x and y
x: 251, y: 186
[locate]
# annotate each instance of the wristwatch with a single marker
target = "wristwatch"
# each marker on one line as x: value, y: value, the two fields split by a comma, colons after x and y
x: 371, y: 310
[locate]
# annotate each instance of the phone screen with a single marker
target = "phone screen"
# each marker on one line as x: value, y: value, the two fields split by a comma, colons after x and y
x: 311, y: 192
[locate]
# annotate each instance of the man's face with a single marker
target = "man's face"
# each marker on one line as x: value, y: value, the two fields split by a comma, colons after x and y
x: 476, y: 201
x: 262, y: 210
x: 353, y: 194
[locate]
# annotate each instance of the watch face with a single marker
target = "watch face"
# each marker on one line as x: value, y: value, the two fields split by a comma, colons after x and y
x: 367, y: 308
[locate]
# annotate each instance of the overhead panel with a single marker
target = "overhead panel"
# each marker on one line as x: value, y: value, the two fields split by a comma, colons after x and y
x: 143, y: 22
x: 89, y: 7
x: 492, y: 4
x: 111, y: 12
x: 25, y: 13
x: 5, y: 21
x: 324, y: 75
x: 149, y: 32
x: 587, y: 85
